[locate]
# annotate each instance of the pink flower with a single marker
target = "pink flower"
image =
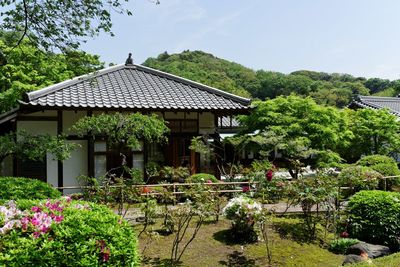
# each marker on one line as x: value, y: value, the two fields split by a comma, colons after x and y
x: 67, y: 198
x: 106, y: 253
x: 209, y: 181
x: 25, y: 222
x: 36, y: 234
x: 44, y: 229
x: 58, y: 218
x: 35, y: 221
x: 36, y: 209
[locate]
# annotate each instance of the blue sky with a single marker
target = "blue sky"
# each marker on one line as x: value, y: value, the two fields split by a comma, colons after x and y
x: 360, y: 37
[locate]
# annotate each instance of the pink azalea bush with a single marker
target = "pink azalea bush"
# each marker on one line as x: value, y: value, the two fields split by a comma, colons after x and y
x: 61, y: 232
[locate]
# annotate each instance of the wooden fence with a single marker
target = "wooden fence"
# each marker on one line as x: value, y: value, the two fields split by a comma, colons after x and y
x: 176, y: 186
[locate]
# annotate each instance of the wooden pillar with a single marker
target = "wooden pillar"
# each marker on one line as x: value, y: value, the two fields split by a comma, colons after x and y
x: 90, y: 155
x: 60, y: 163
x: 217, y: 148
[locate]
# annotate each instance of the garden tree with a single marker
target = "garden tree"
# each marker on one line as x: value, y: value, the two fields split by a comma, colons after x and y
x: 34, y: 147
x: 299, y: 131
x: 124, y: 130
x: 375, y: 132
x: 39, y: 69
x: 59, y: 24
x: 386, y: 166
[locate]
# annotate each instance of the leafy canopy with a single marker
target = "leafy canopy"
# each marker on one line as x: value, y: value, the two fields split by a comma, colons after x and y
x: 375, y: 132
x: 30, y: 69
x: 124, y: 129
x: 301, y: 131
x: 58, y: 24
x: 34, y: 147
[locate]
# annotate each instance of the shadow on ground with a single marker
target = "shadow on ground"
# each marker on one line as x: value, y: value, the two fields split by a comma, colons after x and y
x: 237, y: 259
x: 159, y: 262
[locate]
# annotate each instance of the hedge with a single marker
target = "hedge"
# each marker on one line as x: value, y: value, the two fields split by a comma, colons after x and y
x: 201, y: 178
x: 65, y: 233
x: 374, y: 216
x: 25, y: 188
x: 385, y: 165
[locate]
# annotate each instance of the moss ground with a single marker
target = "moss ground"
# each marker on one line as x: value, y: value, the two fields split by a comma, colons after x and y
x: 213, y: 248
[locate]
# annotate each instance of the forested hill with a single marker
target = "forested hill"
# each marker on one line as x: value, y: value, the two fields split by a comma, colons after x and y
x: 330, y: 89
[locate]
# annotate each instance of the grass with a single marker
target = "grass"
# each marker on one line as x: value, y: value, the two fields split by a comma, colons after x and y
x: 212, y: 247
x: 388, y: 261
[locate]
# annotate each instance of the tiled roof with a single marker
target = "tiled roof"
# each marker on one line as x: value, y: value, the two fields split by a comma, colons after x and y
x: 378, y: 102
x: 134, y: 87
x: 228, y: 122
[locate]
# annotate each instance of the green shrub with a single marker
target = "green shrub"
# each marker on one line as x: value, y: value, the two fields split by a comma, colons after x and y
x: 374, y: 216
x: 202, y: 178
x: 385, y: 165
x: 340, y: 246
x: 25, y: 188
x: 359, y: 178
x: 85, y: 234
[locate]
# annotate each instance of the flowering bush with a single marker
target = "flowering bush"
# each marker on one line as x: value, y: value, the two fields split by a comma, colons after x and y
x: 243, y: 212
x: 64, y: 233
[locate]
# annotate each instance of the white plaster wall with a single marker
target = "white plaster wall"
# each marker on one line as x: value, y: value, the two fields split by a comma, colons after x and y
x: 206, y: 123
x: 76, y: 165
x: 174, y: 115
x: 70, y: 118
x: 43, y: 127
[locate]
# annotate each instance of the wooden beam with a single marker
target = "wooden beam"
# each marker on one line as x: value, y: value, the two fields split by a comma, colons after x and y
x: 38, y: 118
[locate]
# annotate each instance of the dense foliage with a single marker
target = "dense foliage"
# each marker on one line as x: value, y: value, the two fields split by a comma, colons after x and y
x: 384, y: 165
x: 340, y: 246
x: 202, y: 178
x: 63, y: 25
x: 125, y: 130
x: 34, y: 147
x: 65, y: 233
x: 375, y: 132
x: 13, y: 188
x: 327, y: 89
x: 374, y: 216
x: 30, y: 69
x: 301, y: 131
x: 358, y: 178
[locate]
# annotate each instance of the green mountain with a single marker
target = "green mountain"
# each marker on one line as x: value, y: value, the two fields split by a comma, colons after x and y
x: 326, y: 88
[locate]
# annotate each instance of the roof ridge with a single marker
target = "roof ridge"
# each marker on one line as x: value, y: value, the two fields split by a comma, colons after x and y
x: 378, y: 97
x: 207, y: 88
x: 33, y: 95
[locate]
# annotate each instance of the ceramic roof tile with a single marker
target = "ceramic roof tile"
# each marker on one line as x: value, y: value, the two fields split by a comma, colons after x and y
x: 134, y: 87
x: 378, y: 102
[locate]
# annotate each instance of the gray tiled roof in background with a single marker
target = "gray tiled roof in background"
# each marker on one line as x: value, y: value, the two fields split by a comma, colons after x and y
x: 228, y: 122
x: 134, y: 87
x: 378, y: 102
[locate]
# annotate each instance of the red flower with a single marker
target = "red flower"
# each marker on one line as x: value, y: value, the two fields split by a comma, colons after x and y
x: 245, y: 189
x: 146, y: 190
x: 268, y: 175
x: 344, y: 234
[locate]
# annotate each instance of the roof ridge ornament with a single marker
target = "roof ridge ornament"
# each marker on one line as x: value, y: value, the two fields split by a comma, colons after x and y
x: 129, y: 60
